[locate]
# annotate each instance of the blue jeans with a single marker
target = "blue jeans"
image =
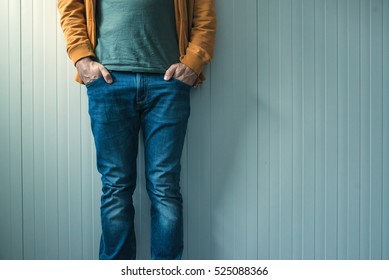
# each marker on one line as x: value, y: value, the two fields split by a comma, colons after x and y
x: 118, y: 111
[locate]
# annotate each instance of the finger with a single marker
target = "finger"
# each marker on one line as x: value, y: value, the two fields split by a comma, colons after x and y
x: 106, y: 75
x: 181, y: 70
x: 185, y: 72
x: 188, y: 71
x: 170, y: 72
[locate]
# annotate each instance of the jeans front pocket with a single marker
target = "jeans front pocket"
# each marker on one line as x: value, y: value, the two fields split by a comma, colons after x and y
x: 110, y: 102
x: 94, y: 81
x: 182, y: 83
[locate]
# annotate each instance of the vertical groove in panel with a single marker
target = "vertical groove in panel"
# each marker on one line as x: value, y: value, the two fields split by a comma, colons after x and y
x: 263, y: 129
x: 313, y: 246
x: 278, y: 134
x: 300, y: 254
x: 314, y: 135
x: 268, y: 131
x: 68, y: 165
x: 186, y: 178
x: 20, y: 105
x: 68, y: 183
x: 209, y: 181
x: 360, y: 129
x: 257, y: 130
x: 323, y: 127
x: 382, y: 130
x: 292, y: 131
x: 385, y: 181
x: 231, y: 223
x: 211, y: 160
x: 313, y: 236
x: 81, y: 172
x: 348, y: 133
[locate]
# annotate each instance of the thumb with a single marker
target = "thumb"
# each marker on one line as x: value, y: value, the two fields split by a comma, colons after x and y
x: 170, y: 72
x: 107, y: 76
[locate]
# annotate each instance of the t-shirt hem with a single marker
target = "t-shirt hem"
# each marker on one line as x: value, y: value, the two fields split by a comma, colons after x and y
x: 134, y: 69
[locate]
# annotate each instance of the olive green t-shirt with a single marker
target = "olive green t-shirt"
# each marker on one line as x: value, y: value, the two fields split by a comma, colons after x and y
x: 136, y: 35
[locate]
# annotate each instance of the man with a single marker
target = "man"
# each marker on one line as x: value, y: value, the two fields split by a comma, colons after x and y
x: 138, y: 60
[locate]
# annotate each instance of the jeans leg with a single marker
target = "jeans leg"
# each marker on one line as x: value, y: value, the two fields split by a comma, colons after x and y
x: 115, y: 125
x: 164, y: 125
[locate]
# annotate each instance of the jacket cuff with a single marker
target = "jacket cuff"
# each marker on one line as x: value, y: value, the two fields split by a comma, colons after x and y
x: 80, y: 52
x: 194, y: 62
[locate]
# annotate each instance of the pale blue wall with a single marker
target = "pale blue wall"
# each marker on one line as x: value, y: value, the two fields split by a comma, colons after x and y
x: 287, y: 152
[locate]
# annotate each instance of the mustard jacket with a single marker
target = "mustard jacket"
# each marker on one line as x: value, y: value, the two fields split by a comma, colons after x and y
x: 195, y: 24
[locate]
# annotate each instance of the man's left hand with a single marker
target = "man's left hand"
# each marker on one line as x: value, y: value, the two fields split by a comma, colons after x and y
x: 181, y: 72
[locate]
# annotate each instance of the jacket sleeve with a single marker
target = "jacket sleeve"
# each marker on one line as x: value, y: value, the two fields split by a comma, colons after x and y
x: 203, y: 36
x: 73, y: 23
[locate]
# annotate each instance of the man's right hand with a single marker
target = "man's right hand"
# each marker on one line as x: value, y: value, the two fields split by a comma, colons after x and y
x: 90, y: 70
